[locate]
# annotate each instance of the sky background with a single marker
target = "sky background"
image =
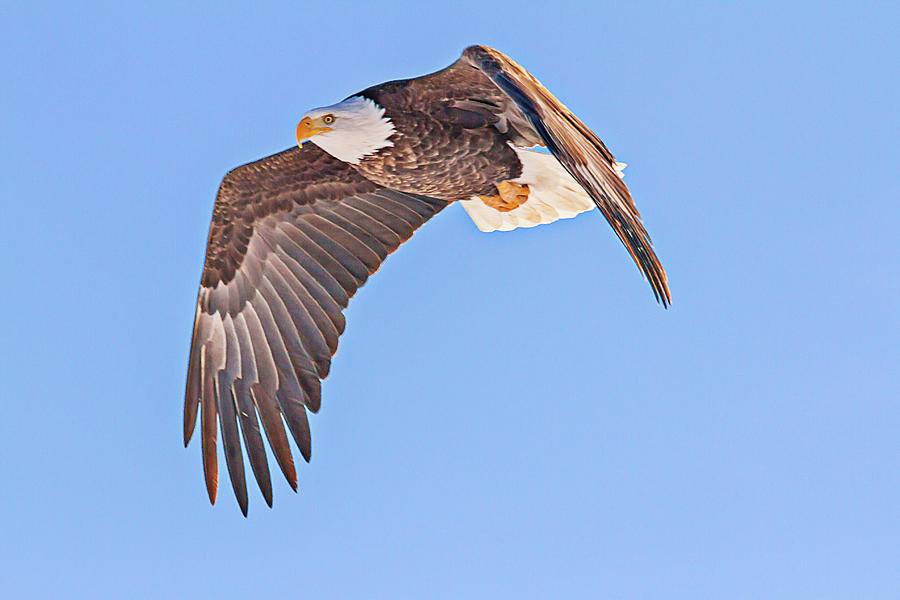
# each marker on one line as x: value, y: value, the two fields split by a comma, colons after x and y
x: 509, y: 415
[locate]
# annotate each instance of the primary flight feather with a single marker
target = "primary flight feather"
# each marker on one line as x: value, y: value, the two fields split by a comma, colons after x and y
x: 294, y: 235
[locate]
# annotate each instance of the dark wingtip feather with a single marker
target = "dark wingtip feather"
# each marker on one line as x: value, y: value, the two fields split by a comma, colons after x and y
x: 637, y: 242
x: 271, y: 418
x: 191, y: 403
x: 256, y: 452
x: 231, y: 440
x: 189, y: 421
x: 208, y: 425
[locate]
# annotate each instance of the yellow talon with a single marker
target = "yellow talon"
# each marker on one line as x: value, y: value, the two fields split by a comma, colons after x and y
x: 510, y: 196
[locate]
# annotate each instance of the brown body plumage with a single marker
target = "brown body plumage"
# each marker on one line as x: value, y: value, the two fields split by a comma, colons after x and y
x: 447, y: 144
x: 294, y: 235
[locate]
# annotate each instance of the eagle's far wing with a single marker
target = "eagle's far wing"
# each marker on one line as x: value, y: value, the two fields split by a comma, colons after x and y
x: 293, y: 236
x: 578, y: 149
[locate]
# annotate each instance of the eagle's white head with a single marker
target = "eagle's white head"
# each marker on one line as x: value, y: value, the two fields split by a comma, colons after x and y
x: 348, y: 130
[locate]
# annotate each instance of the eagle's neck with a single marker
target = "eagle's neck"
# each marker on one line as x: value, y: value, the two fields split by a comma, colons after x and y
x: 360, y: 130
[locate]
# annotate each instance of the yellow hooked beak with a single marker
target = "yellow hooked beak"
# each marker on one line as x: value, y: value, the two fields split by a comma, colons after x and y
x: 307, y: 128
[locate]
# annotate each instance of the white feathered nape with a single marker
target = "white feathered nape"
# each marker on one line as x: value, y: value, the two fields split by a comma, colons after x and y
x: 553, y: 195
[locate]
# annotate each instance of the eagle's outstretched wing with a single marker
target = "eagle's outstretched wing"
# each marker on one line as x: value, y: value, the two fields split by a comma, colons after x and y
x: 485, y: 80
x: 293, y: 236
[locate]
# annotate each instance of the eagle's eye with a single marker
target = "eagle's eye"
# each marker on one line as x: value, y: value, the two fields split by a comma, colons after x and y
x: 328, y: 119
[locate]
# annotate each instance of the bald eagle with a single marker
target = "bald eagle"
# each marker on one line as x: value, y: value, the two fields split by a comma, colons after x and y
x: 294, y: 235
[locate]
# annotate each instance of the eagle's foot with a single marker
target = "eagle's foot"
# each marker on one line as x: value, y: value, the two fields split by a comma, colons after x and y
x: 510, y: 196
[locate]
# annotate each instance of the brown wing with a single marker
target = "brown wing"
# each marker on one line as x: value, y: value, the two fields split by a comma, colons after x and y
x: 485, y: 82
x: 293, y: 236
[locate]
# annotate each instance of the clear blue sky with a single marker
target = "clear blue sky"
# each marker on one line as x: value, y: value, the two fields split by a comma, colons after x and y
x: 509, y: 415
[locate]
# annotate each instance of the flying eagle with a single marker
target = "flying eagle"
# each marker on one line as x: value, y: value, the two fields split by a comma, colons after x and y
x: 294, y: 235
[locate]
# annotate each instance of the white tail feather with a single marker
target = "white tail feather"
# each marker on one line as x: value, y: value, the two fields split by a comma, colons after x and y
x: 553, y: 194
